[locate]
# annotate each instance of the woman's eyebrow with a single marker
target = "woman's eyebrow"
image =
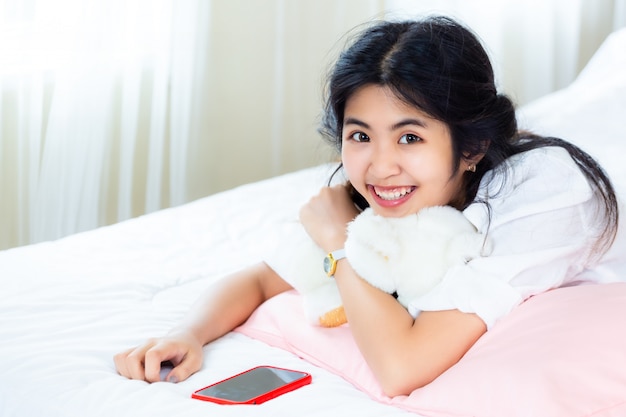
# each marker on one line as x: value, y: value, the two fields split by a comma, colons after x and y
x: 353, y: 121
x: 399, y: 125
x: 409, y: 122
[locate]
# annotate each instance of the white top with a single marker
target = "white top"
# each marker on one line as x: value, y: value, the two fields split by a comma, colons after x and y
x: 543, y: 222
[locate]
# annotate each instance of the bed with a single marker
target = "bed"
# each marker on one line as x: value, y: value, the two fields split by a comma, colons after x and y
x: 67, y: 306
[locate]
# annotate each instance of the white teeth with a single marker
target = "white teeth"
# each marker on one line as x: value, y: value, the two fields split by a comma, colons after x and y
x: 393, y: 194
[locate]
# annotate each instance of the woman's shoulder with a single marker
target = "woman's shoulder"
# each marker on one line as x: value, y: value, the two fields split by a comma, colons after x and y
x: 549, y: 168
x: 542, y: 180
x: 547, y: 157
x: 541, y: 161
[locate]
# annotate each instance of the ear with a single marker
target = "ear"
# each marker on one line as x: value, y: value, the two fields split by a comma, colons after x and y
x: 469, y: 161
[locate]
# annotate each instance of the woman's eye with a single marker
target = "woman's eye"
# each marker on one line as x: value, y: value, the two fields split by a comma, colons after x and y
x: 360, y: 137
x: 409, y: 138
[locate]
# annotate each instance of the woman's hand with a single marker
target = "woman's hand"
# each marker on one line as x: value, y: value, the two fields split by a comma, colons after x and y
x: 226, y: 304
x: 143, y: 362
x: 326, y: 216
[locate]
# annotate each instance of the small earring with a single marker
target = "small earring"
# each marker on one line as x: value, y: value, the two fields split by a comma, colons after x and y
x: 471, y: 167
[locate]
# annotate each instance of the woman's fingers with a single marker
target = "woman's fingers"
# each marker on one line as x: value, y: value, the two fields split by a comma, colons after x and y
x: 144, y: 362
x: 130, y: 363
x: 190, y: 364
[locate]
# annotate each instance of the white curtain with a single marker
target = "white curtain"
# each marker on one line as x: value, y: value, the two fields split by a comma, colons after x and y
x: 114, y: 108
x: 98, y: 106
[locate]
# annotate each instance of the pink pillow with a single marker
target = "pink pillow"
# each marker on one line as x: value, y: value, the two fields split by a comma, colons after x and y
x: 560, y: 354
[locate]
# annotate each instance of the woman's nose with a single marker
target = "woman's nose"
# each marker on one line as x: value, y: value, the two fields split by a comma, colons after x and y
x: 384, y: 161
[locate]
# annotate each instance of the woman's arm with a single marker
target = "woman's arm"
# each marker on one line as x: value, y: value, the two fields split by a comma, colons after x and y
x: 403, y: 353
x: 224, y: 306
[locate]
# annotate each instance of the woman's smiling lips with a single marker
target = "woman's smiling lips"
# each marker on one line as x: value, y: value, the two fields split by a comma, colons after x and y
x: 391, y: 196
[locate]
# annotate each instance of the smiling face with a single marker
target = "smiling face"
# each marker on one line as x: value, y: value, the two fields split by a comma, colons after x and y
x: 399, y: 158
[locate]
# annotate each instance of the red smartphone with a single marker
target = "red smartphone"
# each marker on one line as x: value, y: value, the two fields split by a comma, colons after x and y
x: 253, y: 386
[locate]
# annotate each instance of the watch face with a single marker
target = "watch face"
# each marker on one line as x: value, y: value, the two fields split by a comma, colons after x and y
x: 327, y: 264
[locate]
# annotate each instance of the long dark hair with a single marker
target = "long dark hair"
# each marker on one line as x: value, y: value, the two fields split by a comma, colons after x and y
x: 440, y: 67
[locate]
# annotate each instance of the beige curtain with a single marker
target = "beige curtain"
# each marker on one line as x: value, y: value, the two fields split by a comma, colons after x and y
x: 111, y: 109
x: 263, y: 86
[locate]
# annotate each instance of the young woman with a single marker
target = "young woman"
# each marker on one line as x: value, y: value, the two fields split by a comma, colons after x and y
x: 414, y: 111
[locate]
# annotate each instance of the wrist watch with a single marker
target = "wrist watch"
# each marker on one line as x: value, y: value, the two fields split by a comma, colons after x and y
x: 330, y: 261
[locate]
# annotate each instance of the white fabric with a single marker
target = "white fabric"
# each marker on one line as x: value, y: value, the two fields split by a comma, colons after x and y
x: 542, y: 226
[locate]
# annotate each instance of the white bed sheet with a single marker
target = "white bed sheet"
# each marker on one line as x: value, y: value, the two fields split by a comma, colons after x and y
x: 67, y: 306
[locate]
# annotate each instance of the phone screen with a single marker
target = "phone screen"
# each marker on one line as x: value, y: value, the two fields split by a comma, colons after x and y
x: 254, y: 386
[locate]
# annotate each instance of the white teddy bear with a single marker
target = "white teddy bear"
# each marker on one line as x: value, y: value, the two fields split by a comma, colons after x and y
x: 407, y: 255
x: 410, y: 255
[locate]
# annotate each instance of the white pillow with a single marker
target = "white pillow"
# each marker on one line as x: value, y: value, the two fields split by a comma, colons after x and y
x: 591, y: 112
